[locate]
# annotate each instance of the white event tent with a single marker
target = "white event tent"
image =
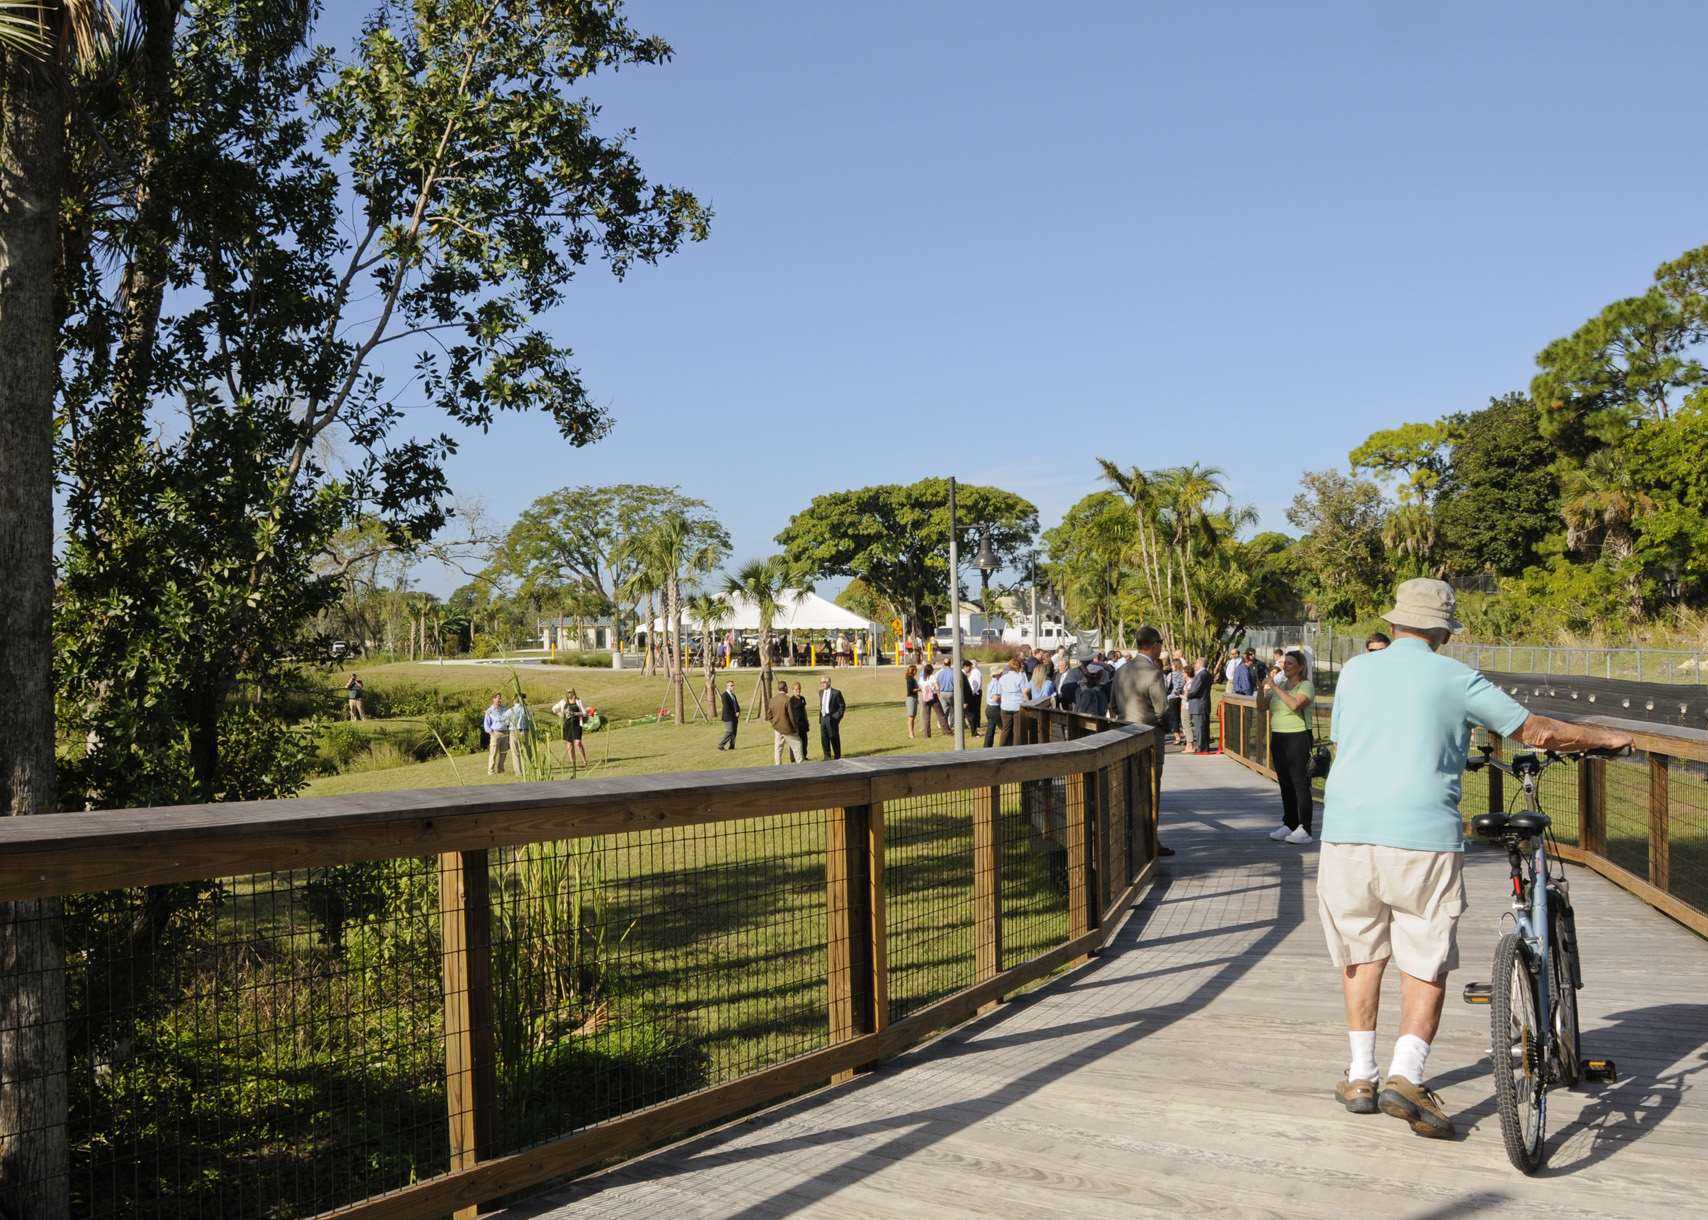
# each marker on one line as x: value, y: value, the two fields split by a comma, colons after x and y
x: 807, y: 612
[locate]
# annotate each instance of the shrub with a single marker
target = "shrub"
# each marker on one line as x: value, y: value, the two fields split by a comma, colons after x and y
x: 340, y: 742
x: 382, y: 754
x: 457, y: 730
x: 588, y: 660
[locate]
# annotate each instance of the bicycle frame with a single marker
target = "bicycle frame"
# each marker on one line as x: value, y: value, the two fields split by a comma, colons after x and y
x: 1533, y: 928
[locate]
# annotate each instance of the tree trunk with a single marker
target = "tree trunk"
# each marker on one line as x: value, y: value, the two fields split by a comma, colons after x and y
x: 711, y: 682
x: 144, y: 284
x: 649, y: 664
x: 34, y: 1169
x: 678, y: 660
x: 764, y: 672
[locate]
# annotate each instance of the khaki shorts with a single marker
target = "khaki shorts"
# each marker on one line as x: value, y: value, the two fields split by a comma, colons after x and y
x: 1379, y: 902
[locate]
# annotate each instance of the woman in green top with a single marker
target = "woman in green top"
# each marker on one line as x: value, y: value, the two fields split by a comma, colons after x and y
x: 1290, y: 694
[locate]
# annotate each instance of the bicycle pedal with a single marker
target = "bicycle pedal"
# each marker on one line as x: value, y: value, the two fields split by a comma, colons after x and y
x: 1603, y: 1071
x: 1478, y: 993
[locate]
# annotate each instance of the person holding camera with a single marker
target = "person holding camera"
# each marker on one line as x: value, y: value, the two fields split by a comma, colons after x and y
x: 1290, y: 694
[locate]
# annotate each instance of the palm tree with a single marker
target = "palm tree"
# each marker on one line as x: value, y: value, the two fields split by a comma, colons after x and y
x: 1601, y: 501
x: 764, y: 582
x: 641, y: 586
x: 1410, y: 533
x: 680, y: 546
x: 708, y: 610
x: 1139, y: 491
x: 1188, y: 492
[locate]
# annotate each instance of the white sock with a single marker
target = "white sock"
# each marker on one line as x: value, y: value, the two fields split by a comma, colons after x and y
x: 1363, y: 1066
x: 1410, y: 1054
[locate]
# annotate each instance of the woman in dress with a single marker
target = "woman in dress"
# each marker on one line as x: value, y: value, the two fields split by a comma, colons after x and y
x: 573, y: 712
x: 912, y: 699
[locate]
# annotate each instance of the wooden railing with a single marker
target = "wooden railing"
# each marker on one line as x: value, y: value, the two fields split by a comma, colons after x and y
x: 1641, y: 822
x: 365, y: 931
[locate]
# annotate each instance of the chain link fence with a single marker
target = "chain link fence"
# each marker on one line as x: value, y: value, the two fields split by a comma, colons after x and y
x: 1656, y: 665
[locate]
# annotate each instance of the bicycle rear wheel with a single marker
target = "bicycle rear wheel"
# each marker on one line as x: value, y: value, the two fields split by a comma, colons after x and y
x: 1515, y: 1044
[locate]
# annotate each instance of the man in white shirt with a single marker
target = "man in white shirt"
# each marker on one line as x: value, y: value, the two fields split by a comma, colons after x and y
x: 520, y: 721
x: 497, y: 725
x: 975, y: 683
x: 1011, y: 693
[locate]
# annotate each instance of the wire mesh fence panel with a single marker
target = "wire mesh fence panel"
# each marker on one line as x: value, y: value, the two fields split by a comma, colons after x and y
x: 1686, y: 837
x: 1031, y: 825
x: 265, y: 1045
x: 634, y: 968
x: 1557, y: 792
x: 1626, y: 804
x: 1120, y: 833
x: 928, y: 885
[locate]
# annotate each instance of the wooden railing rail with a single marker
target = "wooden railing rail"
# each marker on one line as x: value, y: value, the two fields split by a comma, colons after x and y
x: 1079, y: 790
x: 1650, y: 810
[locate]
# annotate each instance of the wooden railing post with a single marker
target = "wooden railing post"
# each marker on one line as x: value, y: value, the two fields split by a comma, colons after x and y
x: 856, y: 974
x: 1660, y: 815
x: 1497, y: 793
x: 1592, y: 806
x: 471, y: 1075
x: 987, y: 883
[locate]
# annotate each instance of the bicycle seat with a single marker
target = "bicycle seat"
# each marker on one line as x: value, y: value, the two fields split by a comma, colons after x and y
x: 1528, y: 824
x: 1489, y: 825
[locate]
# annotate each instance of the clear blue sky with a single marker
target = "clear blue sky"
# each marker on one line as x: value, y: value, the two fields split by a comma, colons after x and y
x: 996, y: 239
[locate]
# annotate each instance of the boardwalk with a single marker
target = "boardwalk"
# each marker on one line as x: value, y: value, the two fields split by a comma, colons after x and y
x: 1187, y: 1072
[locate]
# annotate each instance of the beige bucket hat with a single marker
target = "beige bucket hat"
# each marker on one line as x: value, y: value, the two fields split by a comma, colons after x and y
x: 1424, y: 603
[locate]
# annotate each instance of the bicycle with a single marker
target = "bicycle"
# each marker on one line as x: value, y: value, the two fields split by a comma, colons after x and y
x: 1533, y: 1029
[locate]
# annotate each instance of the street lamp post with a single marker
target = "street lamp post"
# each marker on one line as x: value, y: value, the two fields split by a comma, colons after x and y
x: 1034, y: 601
x: 955, y: 619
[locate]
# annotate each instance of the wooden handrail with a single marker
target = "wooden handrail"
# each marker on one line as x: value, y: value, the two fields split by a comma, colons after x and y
x: 62, y: 854
x: 1663, y: 744
x: 56, y: 854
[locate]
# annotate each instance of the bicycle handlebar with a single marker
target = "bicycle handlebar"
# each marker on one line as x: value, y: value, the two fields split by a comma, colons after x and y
x: 1549, y: 757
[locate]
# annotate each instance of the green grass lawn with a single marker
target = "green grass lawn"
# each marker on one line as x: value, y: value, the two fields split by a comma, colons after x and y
x: 875, y: 723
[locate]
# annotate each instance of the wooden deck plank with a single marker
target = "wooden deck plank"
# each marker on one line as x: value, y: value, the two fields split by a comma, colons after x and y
x: 1186, y: 1072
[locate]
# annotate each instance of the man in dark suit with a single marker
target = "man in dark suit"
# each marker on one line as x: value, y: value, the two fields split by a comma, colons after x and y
x: 1198, y: 706
x: 730, y: 713
x: 831, y: 706
x: 798, y: 711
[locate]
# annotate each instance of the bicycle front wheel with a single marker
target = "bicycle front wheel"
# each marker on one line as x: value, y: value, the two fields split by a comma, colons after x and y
x: 1515, y: 1044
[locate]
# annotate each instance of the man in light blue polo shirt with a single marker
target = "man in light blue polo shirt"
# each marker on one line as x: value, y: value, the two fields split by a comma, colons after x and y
x: 1388, y: 879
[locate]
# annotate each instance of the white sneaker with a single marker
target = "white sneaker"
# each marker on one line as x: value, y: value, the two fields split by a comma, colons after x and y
x: 1279, y: 833
x: 1301, y: 835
